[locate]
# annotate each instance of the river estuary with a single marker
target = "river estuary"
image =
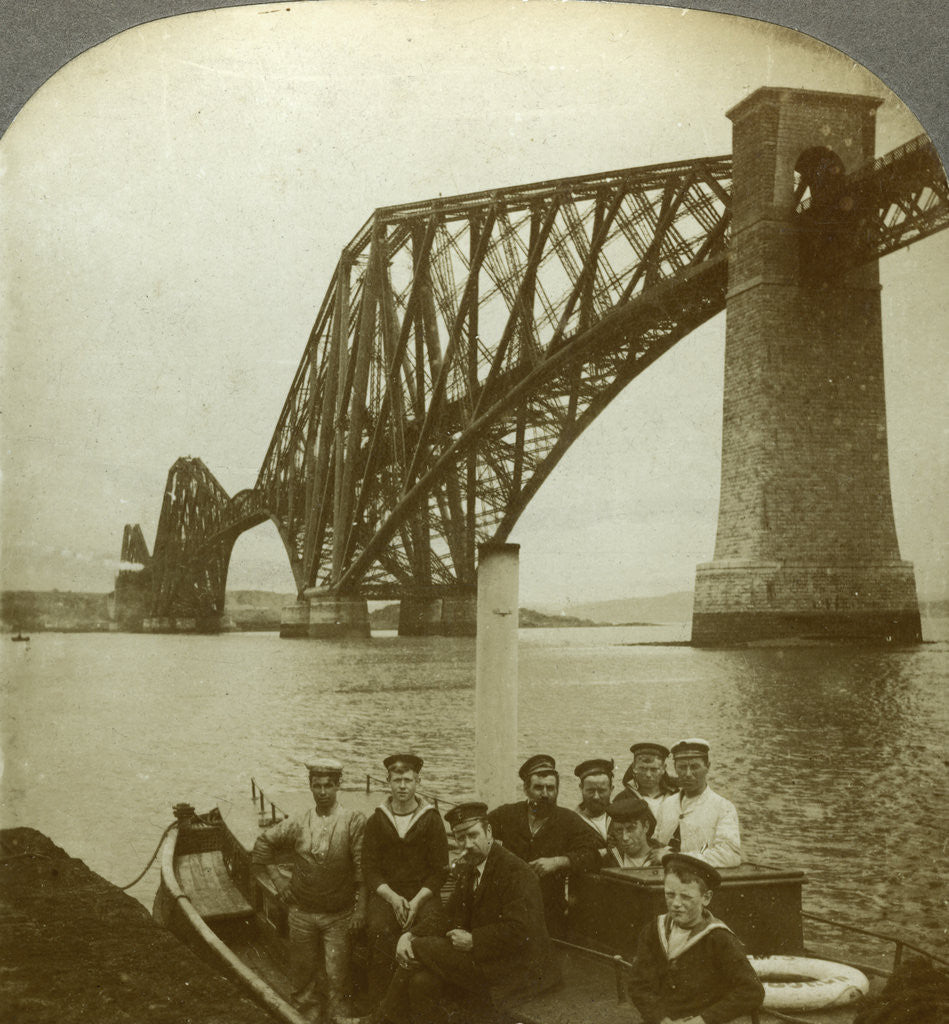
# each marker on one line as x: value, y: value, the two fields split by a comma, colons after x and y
x: 835, y: 756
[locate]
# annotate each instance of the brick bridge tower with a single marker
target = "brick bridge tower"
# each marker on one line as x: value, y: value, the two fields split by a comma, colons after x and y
x: 806, y: 541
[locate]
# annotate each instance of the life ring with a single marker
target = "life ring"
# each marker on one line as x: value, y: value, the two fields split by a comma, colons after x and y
x: 825, y: 983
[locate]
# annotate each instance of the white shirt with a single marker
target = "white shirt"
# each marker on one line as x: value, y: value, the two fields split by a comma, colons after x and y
x: 600, y: 824
x: 708, y: 827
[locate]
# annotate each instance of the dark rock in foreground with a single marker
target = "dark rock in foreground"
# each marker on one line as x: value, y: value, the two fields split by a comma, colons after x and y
x: 76, y: 948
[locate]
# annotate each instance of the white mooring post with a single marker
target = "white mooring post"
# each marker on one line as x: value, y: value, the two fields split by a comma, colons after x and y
x: 496, y: 673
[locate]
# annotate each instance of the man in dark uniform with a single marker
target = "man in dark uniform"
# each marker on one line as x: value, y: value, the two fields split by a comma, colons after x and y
x: 404, y: 863
x: 496, y: 951
x: 596, y: 789
x: 552, y: 839
x: 689, y: 966
x: 646, y: 776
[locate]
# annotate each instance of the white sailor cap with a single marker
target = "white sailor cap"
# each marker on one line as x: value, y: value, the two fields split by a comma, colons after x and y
x: 324, y: 766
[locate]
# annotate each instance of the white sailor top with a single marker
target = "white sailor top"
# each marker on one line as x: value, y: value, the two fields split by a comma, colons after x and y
x: 708, y: 827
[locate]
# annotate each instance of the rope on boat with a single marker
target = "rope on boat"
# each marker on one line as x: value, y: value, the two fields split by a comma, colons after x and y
x: 151, y: 860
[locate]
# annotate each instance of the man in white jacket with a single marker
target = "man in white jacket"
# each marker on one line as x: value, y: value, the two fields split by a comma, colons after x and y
x: 696, y: 820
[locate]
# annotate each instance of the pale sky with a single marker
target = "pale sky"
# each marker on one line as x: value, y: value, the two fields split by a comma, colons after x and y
x: 174, y: 202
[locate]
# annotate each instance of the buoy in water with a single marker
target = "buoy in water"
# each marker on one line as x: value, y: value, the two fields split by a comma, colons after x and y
x: 806, y: 983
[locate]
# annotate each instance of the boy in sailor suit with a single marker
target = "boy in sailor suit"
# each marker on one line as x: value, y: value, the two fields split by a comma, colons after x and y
x: 689, y: 967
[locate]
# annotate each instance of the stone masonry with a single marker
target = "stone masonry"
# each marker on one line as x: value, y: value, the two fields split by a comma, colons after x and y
x: 806, y: 541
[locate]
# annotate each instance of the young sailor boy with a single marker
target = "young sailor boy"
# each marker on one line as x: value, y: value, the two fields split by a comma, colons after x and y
x: 689, y: 967
x: 405, y: 864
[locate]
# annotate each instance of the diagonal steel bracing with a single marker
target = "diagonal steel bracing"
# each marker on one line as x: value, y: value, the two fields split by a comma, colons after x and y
x: 463, y: 344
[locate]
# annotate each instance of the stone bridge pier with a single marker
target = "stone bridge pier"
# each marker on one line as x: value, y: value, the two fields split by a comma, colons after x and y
x: 806, y: 541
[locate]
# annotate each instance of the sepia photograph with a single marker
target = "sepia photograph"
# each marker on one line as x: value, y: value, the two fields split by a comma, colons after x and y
x: 474, y: 518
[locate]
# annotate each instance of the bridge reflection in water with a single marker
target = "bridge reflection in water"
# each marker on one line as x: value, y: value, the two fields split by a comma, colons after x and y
x: 464, y: 343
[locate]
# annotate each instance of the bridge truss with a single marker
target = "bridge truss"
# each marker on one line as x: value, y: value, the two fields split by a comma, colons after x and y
x: 465, y: 343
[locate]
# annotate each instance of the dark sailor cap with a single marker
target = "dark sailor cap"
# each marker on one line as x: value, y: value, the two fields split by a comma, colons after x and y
x: 703, y: 869
x: 412, y: 761
x: 691, y: 748
x: 537, y: 764
x: 595, y: 766
x: 629, y: 807
x: 656, y: 749
x: 461, y: 814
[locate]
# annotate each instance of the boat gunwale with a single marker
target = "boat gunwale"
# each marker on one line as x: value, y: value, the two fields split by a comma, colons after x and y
x: 263, y: 993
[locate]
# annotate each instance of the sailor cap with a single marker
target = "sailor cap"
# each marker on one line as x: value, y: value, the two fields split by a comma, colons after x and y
x: 461, y: 814
x: 537, y: 764
x: 691, y: 748
x: 656, y: 749
x: 702, y: 868
x: 324, y: 766
x: 412, y: 761
x: 594, y: 766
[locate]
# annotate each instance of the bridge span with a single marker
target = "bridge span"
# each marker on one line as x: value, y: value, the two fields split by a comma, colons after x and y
x: 465, y: 343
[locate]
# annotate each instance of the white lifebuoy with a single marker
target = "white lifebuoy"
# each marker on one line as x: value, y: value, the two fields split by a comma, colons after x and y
x: 827, y: 984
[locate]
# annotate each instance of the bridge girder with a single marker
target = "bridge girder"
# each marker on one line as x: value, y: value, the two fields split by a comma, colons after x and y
x: 463, y: 345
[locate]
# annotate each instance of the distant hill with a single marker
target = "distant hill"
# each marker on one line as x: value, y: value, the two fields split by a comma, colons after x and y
x: 667, y: 608
x: 78, y: 611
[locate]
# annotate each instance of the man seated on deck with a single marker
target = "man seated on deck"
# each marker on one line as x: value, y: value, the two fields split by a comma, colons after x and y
x: 697, y: 820
x: 325, y: 893
x: 405, y: 863
x: 631, y: 844
x: 552, y: 839
x: 495, y: 951
x: 689, y: 967
x: 646, y: 776
x: 596, y: 788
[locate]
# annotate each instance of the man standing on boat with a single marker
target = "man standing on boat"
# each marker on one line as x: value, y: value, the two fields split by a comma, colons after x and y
x: 596, y: 788
x: 689, y: 967
x: 325, y: 893
x: 405, y: 863
x: 495, y: 951
x: 553, y: 840
x: 646, y: 776
x: 696, y: 820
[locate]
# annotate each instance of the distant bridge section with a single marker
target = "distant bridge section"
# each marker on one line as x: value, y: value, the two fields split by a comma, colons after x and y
x: 464, y: 344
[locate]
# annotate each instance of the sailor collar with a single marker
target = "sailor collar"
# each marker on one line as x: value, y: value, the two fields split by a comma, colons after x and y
x: 709, y: 923
x: 422, y: 808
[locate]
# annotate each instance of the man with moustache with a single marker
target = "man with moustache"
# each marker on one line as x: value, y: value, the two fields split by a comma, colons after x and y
x: 596, y: 788
x: 551, y: 839
x: 405, y: 864
x: 696, y: 820
x: 646, y: 776
x: 325, y: 893
x: 496, y: 950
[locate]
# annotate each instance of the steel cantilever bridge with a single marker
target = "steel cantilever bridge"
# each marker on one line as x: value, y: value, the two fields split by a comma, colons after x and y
x: 463, y: 344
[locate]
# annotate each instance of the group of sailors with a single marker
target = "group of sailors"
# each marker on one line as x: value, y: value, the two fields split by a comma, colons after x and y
x: 474, y: 955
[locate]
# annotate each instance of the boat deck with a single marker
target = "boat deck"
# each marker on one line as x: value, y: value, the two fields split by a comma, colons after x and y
x: 590, y: 992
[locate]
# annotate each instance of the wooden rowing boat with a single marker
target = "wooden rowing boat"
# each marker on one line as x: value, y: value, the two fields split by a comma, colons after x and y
x: 213, y: 899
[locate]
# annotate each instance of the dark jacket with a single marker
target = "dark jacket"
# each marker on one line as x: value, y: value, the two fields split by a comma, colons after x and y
x: 711, y: 977
x: 405, y: 865
x: 505, y: 916
x: 564, y: 835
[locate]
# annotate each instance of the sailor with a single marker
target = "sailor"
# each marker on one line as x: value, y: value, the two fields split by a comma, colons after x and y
x: 689, y: 966
x: 495, y: 951
x: 631, y: 843
x: 646, y: 776
x: 596, y: 788
x: 697, y: 820
x: 405, y: 863
x: 325, y: 892
x: 552, y: 839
